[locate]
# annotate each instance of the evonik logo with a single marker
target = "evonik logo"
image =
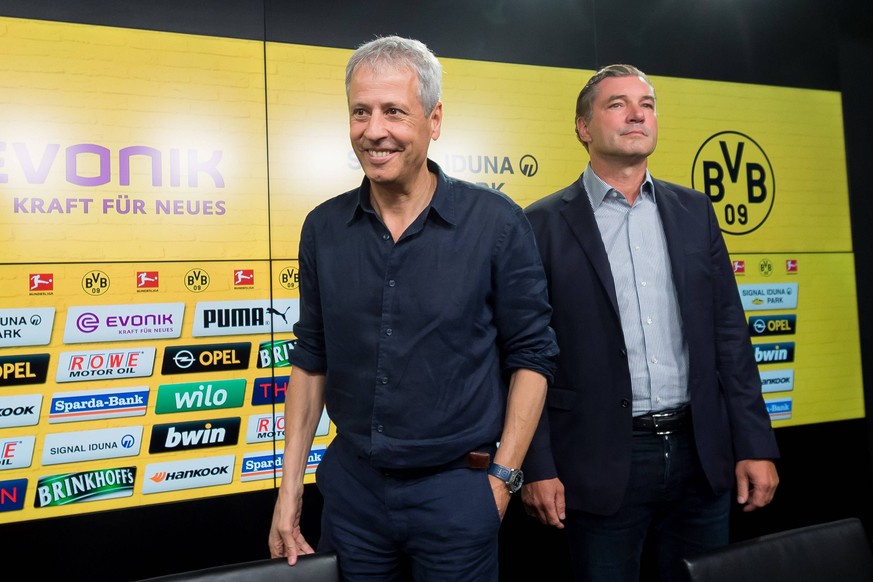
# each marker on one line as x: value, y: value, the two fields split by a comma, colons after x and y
x: 130, y: 322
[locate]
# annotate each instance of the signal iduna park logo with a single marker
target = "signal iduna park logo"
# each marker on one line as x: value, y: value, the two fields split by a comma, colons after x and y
x: 734, y: 171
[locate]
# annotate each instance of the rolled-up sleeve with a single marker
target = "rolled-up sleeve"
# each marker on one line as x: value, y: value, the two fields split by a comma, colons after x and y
x: 522, y: 309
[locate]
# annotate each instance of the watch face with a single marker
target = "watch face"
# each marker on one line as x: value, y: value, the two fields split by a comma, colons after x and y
x: 516, y: 479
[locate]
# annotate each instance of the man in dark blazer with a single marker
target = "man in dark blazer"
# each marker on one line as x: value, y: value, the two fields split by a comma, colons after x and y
x: 656, y: 412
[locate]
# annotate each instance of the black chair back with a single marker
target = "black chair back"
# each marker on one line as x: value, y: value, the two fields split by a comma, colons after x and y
x: 837, y: 551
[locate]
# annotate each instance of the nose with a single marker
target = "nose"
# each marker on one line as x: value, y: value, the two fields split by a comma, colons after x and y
x: 636, y: 114
x: 375, y: 128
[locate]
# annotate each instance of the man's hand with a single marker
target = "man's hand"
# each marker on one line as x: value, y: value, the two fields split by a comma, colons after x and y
x: 286, y: 538
x: 501, y: 495
x: 544, y: 500
x: 756, y: 483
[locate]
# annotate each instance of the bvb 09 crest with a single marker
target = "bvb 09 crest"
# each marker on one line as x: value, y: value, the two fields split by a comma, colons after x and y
x: 733, y: 170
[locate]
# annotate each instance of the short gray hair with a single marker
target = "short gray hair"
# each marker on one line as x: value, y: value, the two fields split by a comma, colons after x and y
x: 398, y: 52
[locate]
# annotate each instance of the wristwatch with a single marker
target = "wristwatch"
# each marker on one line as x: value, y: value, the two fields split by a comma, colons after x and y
x: 512, y: 477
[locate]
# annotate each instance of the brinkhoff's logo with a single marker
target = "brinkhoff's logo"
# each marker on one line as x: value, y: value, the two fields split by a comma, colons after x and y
x: 734, y: 171
x: 67, y: 488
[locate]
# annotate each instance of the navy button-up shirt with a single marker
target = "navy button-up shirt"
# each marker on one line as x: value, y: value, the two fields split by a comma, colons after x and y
x: 417, y: 338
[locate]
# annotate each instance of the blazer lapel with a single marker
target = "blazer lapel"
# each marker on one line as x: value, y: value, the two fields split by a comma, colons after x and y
x: 580, y: 219
x: 669, y: 208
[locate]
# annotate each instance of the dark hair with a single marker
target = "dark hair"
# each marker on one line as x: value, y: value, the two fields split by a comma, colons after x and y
x: 589, y: 91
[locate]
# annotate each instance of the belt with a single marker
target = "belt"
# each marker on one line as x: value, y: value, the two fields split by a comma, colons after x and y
x: 472, y: 460
x: 664, y: 422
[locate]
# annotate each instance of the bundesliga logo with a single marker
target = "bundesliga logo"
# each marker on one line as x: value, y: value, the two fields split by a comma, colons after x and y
x: 146, y: 279
x: 41, y: 282
x: 243, y: 277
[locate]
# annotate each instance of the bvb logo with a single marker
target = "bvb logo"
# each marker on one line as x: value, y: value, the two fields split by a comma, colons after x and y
x: 196, y: 280
x: 733, y: 170
x: 95, y: 283
x: 765, y: 267
x: 289, y: 278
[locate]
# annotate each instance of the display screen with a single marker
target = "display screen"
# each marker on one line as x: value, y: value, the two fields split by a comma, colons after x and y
x: 152, y: 190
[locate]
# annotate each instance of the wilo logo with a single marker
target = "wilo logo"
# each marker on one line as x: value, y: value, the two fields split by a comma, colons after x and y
x: 200, y: 396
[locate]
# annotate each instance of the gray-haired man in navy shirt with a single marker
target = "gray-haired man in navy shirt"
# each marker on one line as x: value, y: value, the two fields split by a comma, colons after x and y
x: 424, y: 329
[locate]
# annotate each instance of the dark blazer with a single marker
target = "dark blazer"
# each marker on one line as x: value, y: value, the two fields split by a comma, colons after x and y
x: 584, y: 436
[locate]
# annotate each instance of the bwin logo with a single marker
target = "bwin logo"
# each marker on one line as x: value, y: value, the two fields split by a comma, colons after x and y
x: 773, y: 353
x: 528, y: 165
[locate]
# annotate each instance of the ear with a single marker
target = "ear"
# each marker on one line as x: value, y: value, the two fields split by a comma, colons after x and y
x: 582, y: 130
x: 436, y: 121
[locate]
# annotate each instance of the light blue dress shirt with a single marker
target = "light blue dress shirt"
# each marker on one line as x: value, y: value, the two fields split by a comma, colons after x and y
x: 637, y: 249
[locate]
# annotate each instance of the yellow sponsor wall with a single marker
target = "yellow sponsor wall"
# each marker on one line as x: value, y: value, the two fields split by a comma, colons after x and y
x: 153, y: 185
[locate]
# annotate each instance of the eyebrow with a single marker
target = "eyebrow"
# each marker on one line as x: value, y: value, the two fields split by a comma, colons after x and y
x: 624, y: 97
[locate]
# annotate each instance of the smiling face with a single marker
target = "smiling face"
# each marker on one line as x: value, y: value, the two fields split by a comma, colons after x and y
x: 623, y: 125
x: 388, y: 127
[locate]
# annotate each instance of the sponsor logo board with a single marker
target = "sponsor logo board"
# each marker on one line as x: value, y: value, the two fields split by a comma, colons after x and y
x: 91, y: 445
x: 200, y: 434
x: 23, y: 369
x: 97, y: 404
x: 276, y: 353
x: 129, y: 322
x: 206, y: 358
x: 188, y: 396
x: 12, y: 493
x: 768, y: 296
x: 779, y: 409
x: 188, y: 474
x: 16, y: 452
x: 217, y: 318
x: 67, y: 488
x: 26, y: 326
x: 105, y: 364
x: 20, y: 410
x: 777, y: 380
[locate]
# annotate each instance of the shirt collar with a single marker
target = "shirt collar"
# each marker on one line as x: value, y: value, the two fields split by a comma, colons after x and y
x: 441, y: 205
x: 597, y: 189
